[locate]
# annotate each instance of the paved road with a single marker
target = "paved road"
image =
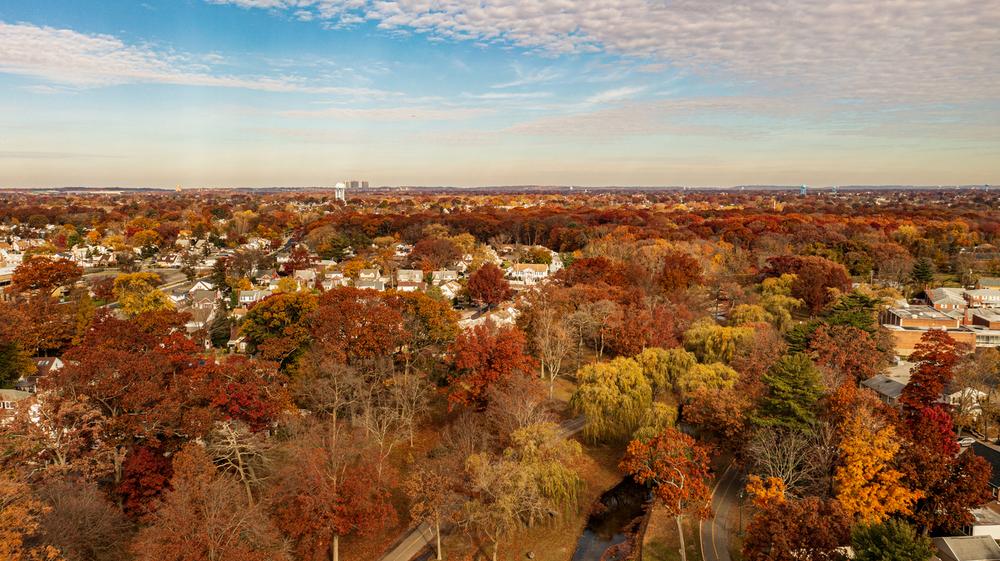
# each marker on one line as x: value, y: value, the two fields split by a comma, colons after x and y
x: 412, y: 544
x: 421, y: 537
x: 715, y: 532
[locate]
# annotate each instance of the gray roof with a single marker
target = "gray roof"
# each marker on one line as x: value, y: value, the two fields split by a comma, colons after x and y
x: 946, y: 295
x: 968, y: 548
x: 372, y: 284
x: 888, y: 386
x: 13, y: 395
x: 990, y: 281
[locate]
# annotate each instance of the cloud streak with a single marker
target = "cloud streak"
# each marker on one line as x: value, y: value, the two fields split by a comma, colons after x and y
x: 922, y: 49
x: 70, y: 58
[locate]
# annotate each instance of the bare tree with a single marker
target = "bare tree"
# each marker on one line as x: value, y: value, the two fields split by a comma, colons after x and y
x: 237, y: 450
x: 83, y: 524
x: 553, y: 340
x: 517, y: 404
x: 788, y: 455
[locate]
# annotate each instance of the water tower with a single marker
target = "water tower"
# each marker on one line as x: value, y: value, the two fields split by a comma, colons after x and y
x: 340, y: 192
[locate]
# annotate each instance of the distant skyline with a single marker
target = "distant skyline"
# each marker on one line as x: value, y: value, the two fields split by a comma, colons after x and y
x: 251, y: 93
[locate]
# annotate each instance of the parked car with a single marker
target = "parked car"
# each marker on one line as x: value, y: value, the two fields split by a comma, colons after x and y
x: 966, y: 441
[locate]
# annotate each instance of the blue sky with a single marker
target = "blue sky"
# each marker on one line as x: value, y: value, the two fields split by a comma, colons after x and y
x: 450, y: 92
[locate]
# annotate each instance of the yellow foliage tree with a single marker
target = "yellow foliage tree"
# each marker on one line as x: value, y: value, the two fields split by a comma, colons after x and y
x: 20, y: 512
x: 137, y: 293
x: 867, y: 484
x: 765, y: 492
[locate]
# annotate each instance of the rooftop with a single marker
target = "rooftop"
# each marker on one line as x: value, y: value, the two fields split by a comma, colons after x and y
x: 920, y: 312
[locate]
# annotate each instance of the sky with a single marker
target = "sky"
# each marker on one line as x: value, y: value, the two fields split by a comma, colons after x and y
x: 250, y: 93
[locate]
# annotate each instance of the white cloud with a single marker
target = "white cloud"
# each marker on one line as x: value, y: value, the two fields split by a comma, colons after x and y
x: 389, y: 114
x: 69, y: 58
x: 921, y: 49
x: 617, y: 94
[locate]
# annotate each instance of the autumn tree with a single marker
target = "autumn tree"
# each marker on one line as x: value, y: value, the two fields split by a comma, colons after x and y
x: 433, y: 498
x: 891, y: 540
x: 934, y: 357
x: 664, y: 367
x: 488, y: 286
x: 137, y: 293
x: 680, y: 271
x: 868, y: 485
x: 204, y: 516
x: 852, y: 353
x: 792, y: 391
x: 951, y: 484
x: 485, y: 356
x: 615, y: 398
x: 324, y: 491
x: 810, y: 528
x: 83, y: 523
x: 45, y: 273
x: 817, y: 279
x: 716, y: 343
x: 276, y: 326
x: 20, y: 522
x: 351, y: 325
x: 676, y: 468
x: 720, y: 411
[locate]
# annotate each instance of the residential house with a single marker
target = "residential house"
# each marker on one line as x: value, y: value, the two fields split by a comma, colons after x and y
x: 250, y: 297
x: 409, y: 276
x: 305, y: 277
x: 410, y: 286
x: 440, y: 277
x: 9, y: 399
x: 987, y: 521
x: 451, y: 289
x: 201, y: 285
x: 200, y: 319
x: 204, y: 298
x: 887, y: 387
x: 967, y: 548
x: 44, y: 365
x: 369, y: 275
x: 367, y: 284
x: 529, y: 273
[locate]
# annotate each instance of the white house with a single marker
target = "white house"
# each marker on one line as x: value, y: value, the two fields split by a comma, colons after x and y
x: 248, y: 297
x: 529, y: 273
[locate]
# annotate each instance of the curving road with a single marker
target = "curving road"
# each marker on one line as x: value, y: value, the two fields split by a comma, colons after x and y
x: 716, y: 531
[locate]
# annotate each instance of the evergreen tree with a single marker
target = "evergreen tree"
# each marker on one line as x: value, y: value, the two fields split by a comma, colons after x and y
x: 793, y: 389
x: 892, y: 540
x: 923, y: 271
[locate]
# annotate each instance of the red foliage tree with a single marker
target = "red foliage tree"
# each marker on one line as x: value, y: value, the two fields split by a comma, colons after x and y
x: 815, y: 276
x: 935, y: 357
x: 146, y: 475
x: 483, y: 357
x: 321, y: 495
x: 677, y: 469
x: 680, y: 271
x: 952, y: 483
x: 352, y: 325
x: 45, y: 273
x: 430, y: 254
x: 247, y: 390
x: 810, y: 528
x: 488, y: 286
x: 849, y: 351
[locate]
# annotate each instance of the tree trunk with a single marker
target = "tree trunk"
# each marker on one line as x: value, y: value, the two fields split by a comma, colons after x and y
x: 335, y: 548
x: 437, y: 535
x: 680, y: 536
x: 552, y: 387
x: 496, y: 546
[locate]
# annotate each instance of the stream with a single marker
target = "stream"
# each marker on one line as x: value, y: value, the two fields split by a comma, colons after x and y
x: 612, y: 517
